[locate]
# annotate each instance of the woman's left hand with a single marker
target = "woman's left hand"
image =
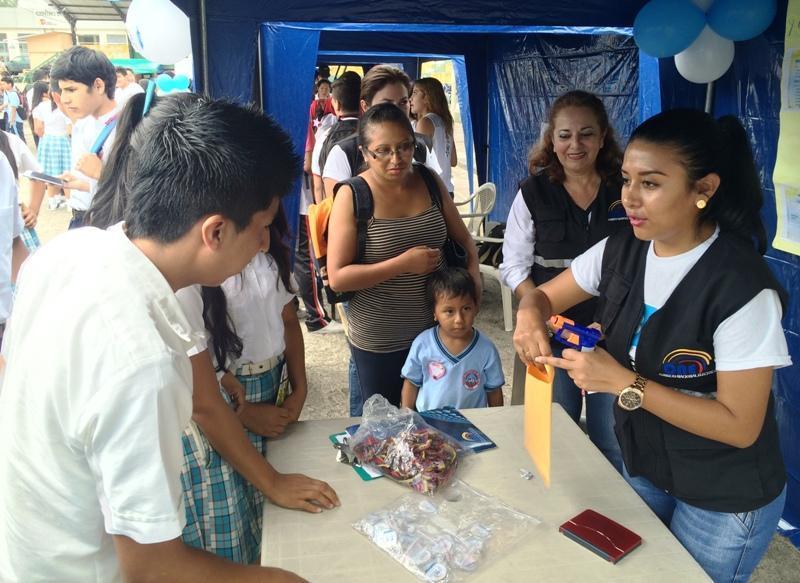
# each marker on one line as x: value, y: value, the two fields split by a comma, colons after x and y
x: 592, y: 371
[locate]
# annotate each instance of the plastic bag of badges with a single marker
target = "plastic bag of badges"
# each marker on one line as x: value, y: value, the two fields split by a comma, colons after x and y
x: 399, y: 444
x: 447, y: 537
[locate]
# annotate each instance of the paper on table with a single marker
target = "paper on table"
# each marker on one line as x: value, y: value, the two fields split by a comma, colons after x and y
x: 538, y: 418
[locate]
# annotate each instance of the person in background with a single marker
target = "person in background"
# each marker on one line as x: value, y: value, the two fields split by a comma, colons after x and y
x: 52, y: 127
x: 39, y: 75
x: 22, y: 160
x: 381, y: 84
x: 125, y: 87
x: 117, y: 392
x: 429, y: 107
x: 404, y: 239
x: 569, y: 202
x: 679, y: 299
x: 10, y: 106
x: 12, y: 248
x: 452, y: 364
x: 87, y: 81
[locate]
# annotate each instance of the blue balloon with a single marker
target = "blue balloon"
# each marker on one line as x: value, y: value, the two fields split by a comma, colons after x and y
x: 167, y: 84
x: 741, y: 19
x: 664, y: 28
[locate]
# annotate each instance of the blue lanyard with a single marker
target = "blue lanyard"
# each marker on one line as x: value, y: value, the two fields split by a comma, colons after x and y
x: 103, y: 136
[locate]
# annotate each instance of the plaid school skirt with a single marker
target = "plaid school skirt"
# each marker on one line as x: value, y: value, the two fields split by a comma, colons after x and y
x: 31, y: 239
x: 223, y: 510
x: 54, y: 154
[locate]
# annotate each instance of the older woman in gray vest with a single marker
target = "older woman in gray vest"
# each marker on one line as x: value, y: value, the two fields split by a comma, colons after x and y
x: 569, y: 202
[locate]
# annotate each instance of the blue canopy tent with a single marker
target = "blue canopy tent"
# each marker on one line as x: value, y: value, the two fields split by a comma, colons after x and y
x: 515, y: 62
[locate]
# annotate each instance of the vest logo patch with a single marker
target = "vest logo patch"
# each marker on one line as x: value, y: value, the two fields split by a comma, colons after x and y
x: 472, y: 378
x: 684, y: 363
x: 616, y: 212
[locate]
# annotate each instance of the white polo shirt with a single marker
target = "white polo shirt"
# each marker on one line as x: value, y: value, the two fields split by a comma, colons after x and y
x: 11, y: 226
x: 97, y: 391
x: 84, y: 134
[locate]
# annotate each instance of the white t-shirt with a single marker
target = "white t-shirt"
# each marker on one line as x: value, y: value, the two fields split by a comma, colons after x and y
x: 255, y: 302
x: 25, y: 159
x: 442, y: 148
x: 91, y: 439
x: 518, y: 244
x: 736, y: 347
x: 84, y: 134
x: 337, y: 167
x: 55, y: 122
x: 121, y: 96
x: 11, y: 226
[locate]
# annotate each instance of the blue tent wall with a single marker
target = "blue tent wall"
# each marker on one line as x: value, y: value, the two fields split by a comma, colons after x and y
x: 750, y: 90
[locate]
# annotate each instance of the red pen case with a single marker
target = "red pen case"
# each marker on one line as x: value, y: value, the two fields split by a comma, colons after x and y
x: 601, y: 535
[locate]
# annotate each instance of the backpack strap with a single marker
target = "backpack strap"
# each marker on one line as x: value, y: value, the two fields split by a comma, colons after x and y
x: 430, y: 181
x: 362, y: 210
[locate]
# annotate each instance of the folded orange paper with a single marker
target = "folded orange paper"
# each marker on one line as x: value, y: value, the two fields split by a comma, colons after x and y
x: 538, y: 418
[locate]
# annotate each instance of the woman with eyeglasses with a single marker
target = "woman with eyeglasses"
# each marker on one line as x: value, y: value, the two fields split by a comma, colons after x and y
x: 404, y: 239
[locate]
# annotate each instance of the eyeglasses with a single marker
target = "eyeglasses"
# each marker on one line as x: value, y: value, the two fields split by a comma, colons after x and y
x: 384, y: 153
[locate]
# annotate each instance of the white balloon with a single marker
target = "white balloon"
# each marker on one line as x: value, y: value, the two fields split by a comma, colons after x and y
x: 703, y: 5
x: 159, y: 31
x: 706, y: 59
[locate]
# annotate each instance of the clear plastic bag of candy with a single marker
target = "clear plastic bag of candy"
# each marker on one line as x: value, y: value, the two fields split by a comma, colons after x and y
x: 447, y: 537
x: 399, y: 444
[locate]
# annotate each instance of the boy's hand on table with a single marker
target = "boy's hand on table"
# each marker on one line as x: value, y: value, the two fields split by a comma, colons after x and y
x: 300, y: 492
x: 264, y: 419
x: 294, y: 405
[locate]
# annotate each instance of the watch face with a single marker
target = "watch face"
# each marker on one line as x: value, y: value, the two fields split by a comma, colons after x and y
x: 630, y: 399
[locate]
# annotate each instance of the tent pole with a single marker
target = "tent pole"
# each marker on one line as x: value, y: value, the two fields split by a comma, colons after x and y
x: 204, y: 45
x: 710, y: 98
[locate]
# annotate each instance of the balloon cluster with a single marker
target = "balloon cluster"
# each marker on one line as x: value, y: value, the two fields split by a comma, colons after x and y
x: 159, y: 31
x: 700, y: 33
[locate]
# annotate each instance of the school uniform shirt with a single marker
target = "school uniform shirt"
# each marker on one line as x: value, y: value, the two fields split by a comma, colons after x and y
x: 736, y: 345
x: 25, y: 159
x: 11, y: 99
x: 121, y: 96
x: 55, y: 122
x: 446, y: 379
x: 11, y: 226
x: 256, y: 299
x: 84, y: 134
x: 91, y: 434
x: 337, y: 167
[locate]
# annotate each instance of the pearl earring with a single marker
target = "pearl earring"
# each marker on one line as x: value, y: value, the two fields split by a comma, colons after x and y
x: 701, y: 204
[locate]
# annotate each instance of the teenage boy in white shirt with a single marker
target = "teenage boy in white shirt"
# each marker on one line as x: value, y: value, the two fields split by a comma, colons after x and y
x: 87, y: 80
x: 125, y: 87
x: 91, y: 460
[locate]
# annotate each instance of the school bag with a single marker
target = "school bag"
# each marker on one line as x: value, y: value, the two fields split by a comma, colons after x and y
x: 319, y: 216
x: 22, y: 108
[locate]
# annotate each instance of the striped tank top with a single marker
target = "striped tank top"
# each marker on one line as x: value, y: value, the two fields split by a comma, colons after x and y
x: 388, y: 316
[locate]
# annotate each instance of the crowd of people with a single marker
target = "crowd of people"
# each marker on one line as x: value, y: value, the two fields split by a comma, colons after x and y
x: 169, y: 311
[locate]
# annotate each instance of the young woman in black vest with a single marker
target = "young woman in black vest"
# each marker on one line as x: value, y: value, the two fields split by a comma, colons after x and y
x: 692, y: 319
x: 569, y: 202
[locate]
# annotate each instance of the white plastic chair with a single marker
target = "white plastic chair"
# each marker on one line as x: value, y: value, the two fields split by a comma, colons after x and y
x: 481, y: 204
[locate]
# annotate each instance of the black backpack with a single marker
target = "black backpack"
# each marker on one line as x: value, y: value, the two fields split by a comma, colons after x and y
x: 343, y: 129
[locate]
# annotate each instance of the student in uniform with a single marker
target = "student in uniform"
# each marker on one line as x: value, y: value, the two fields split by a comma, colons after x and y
x: 90, y: 470
x: 679, y: 300
x: 87, y: 80
x: 12, y: 248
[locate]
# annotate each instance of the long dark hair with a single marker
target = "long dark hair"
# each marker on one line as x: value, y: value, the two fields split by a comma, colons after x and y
x: 225, y: 342
x: 705, y: 146
x: 279, y: 235
x: 5, y: 148
x: 40, y: 88
x: 609, y: 158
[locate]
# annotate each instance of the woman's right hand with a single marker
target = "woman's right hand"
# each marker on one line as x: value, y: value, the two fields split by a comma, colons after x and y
x: 531, y: 338
x: 420, y: 260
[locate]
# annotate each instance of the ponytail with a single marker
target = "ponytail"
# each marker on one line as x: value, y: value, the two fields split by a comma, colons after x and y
x: 5, y: 149
x: 705, y: 146
x: 279, y: 248
x: 108, y: 203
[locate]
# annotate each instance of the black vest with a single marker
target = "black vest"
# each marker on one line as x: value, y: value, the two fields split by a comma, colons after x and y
x: 342, y: 129
x: 356, y: 159
x: 676, y: 349
x: 564, y: 230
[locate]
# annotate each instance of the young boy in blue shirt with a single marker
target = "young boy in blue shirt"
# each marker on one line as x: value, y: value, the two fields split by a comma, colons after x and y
x: 452, y: 364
